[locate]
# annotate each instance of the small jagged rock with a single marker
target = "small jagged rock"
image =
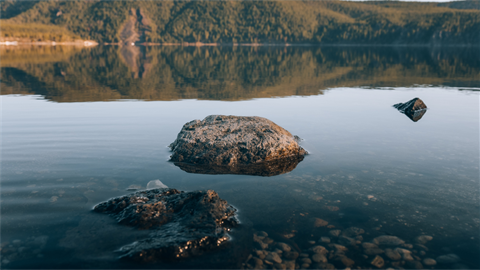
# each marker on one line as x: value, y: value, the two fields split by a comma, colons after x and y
x: 414, y: 109
x: 183, y: 224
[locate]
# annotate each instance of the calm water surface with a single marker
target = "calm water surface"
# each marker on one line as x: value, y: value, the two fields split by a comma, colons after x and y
x: 81, y: 126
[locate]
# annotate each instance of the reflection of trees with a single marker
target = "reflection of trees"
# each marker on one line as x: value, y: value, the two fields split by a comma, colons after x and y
x: 232, y: 73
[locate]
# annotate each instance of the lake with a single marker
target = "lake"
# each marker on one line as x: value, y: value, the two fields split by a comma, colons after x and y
x: 81, y: 125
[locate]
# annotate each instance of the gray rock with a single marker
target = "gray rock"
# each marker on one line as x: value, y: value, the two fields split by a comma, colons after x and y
x: 324, y: 239
x: 393, y: 254
x: 305, y: 266
x: 257, y: 261
x: 429, y: 262
x: 373, y: 251
x: 290, y: 264
x: 236, y: 144
x: 346, y: 241
x: 335, y: 233
x: 319, y: 250
x: 353, y: 231
x: 347, y: 262
x: 423, y: 239
x: 182, y: 223
x: 319, y: 258
x: 324, y: 266
x: 368, y: 245
x: 414, y: 264
x: 290, y: 255
x: 260, y: 254
x: 280, y: 266
x: 284, y: 247
x: 448, y: 258
x: 338, y: 247
x: 388, y: 240
x: 261, y: 235
x: 273, y: 257
x: 306, y: 260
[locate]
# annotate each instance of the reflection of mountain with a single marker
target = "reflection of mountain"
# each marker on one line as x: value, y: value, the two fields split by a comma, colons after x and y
x: 229, y: 73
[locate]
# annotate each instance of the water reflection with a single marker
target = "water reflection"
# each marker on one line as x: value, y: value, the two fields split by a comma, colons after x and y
x: 414, y: 109
x: 224, y: 73
x: 270, y: 168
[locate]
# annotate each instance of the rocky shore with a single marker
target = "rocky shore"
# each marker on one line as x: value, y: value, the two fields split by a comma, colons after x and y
x: 350, y: 248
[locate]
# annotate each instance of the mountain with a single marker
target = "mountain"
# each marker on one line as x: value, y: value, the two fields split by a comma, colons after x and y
x: 317, y: 22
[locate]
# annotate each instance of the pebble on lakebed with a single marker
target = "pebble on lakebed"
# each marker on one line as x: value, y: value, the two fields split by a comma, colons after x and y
x: 377, y: 251
x: 227, y: 144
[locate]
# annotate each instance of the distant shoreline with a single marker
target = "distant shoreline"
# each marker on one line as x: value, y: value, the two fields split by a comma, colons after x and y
x: 83, y: 43
x: 91, y: 43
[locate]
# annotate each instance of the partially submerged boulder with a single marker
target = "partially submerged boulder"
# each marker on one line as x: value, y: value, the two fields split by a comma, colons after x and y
x: 222, y: 142
x: 414, y: 109
x: 182, y: 223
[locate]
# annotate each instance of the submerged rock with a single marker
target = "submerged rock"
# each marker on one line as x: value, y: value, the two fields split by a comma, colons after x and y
x: 225, y: 144
x: 182, y: 223
x: 388, y: 240
x: 414, y: 109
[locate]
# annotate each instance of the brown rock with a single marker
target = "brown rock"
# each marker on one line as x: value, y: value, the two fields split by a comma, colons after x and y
x: 320, y: 222
x: 373, y: 251
x: 290, y: 264
x: 290, y: 255
x: 378, y: 262
x: 393, y: 254
x: 257, y: 262
x: 346, y: 261
x: 319, y: 258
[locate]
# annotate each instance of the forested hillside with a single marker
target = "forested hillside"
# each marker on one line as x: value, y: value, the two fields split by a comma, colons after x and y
x: 318, y: 22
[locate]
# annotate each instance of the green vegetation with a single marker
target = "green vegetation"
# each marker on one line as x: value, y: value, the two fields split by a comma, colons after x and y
x: 36, y: 32
x: 325, y: 22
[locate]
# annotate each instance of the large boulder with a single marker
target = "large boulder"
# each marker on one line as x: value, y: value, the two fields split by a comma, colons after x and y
x: 225, y: 144
x: 413, y: 109
x: 182, y: 224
